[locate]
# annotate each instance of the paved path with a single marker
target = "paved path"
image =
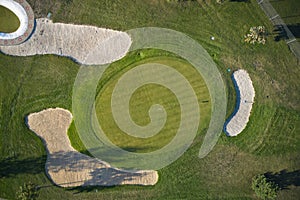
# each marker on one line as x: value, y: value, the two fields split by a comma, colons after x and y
x: 275, y: 18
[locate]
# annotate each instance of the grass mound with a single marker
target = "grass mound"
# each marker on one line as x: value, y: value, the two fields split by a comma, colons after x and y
x: 9, y: 22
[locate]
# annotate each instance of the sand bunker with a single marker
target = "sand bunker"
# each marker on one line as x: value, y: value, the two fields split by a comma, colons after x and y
x: 85, y: 44
x: 245, y: 98
x: 68, y: 168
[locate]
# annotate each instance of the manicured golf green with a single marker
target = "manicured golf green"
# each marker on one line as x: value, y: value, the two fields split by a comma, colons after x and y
x: 9, y: 22
x: 146, y: 96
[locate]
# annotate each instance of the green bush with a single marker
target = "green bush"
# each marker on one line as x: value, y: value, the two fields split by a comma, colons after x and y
x: 28, y: 191
x: 263, y: 188
x: 257, y: 34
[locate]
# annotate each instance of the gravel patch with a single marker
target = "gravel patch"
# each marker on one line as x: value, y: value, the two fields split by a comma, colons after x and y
x: 68, y: 168
x: 74, y: 41
x: 245, y: 98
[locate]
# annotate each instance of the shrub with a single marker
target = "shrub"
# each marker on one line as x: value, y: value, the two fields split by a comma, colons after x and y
x: 28, y: 191
x: 263, y: 188
x: 256, y: 35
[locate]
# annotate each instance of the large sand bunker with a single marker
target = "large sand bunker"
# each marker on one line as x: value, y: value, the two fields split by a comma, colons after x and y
x: 245, y: 98
x: 85, y: 44
x: 68, y: 168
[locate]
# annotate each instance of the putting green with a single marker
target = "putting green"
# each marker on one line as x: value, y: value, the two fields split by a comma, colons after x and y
x: 179, y: 45
x: 9, y: 22
x: 146, y: 96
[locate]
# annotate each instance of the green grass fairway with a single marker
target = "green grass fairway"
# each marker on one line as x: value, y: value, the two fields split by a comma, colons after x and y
x: 144, y: 98
x: 270, y: 143
x: 9, y: 22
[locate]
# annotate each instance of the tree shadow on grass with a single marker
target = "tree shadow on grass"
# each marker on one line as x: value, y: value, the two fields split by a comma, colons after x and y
x: 10, y: 167
x: 280, y: 33
x: 295, y: 29
x: 88, y: 189
x: 284, y: 179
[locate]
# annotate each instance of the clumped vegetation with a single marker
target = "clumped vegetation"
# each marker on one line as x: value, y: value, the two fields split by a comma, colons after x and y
x: 263, y: 188
x: 29, y: 191
x: 257, y: 34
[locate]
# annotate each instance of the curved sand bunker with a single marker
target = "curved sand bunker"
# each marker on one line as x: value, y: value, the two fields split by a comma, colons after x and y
x: 26, y: 17
x: 75, y: 41
x: 245, y: 98
x: 68, y: 168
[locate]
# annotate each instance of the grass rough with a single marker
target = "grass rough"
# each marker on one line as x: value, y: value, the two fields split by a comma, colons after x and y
x: 269, y: 144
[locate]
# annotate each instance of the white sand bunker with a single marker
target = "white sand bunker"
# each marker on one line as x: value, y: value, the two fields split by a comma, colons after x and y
x: 69, y: 168
x: 245, y: 98
x: 85, y: 44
